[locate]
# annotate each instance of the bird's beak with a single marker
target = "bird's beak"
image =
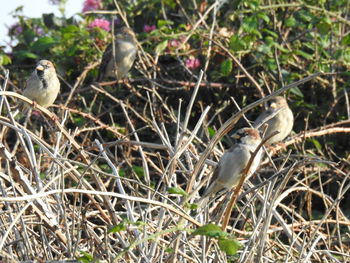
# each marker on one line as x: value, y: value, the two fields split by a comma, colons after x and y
x: 40, y: 67
x: 273, y: 105
x: 236, y: 136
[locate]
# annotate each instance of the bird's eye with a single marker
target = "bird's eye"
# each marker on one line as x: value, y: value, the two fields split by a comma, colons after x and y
x: 273, y: 105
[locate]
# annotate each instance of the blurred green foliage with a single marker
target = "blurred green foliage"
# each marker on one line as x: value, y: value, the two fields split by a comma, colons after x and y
x: 227, y: 243
x: 305, y: 36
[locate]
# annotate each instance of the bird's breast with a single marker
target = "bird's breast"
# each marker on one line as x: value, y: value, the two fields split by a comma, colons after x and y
x: 126, y: 47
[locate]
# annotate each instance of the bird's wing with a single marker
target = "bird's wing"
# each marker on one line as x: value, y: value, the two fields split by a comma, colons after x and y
x: 107, y: 55
x: 121, y: 50
x: 262, y: 118
x: 228, y: 170
x: 232, y: 164
x: 32, y: 84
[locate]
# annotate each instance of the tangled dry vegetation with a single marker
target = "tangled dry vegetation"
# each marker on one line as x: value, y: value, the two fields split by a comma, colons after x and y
x: 118, y: 181
x: 62, y: 192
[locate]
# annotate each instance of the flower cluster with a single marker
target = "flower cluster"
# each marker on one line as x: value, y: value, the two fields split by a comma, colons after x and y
x: 16, y: 29
x: 192, y: 63
x: 39, y: 31
x: 90, y: 5
x: 100, y: 23
x: 173, y: 43
x: 148, y: 28
x: 178, y: 43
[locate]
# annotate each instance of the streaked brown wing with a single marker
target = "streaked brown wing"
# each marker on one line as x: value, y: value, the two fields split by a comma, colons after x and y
x: 107, y: 55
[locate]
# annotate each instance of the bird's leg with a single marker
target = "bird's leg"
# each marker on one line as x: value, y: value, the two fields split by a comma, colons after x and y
x: 281, y: 145
x: 54, y: 118
x: 34, y: 104
x: 126, y: 81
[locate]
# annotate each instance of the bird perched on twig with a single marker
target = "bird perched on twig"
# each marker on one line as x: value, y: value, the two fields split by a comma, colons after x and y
x: 278, y: 117
x: 234, y: 161
x: 118, y: 63
x: 43, y: 85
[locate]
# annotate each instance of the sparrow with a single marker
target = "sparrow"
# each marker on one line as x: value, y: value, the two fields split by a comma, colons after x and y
x: 278, y: 117
x: 118, y: 63
x: 234, y: 161
x: 43, y: 85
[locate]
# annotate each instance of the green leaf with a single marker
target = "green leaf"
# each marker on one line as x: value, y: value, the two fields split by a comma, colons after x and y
x: 43, y: 44
x: 279, y: 47
x: 162, y: 23
x: 264, y: 17
x: 236, y: 44
x: 22, y: 54
x: 271, y: 64
x: 291, y: 22
x: 266, y: 49
x: 4, y: 60
x: 177, y: 191
x: 346, y: 40
x: 304, y: 16
x: 121, y: 172
x: 226, y: 67
x: 70, y: 32
x: 161, y: 46
x: 303, y: 54
x: 252, y: 4
x: 249, y: 41
x: 106, y: 168
x: 211, y: 131
x: 309, y: 45
x: 139, y: 223
x: 230, y: 246
x: 324, y: 26
x: 36, y: 148
x: 296, y: 91
x: 42, y: 176
x: 270, y: 32
x: 70, y: 29
x: 117, y: 228
x: 250, y: 24
x: 28, y: 36
x: 86, y: 257
x: 316, y: 144
x: 170, y: 3
x: 138, y: 170
x: 79, y: 121
x: 210, y: 230
x: 256, y: 32
x: 169, y: 250
x: 270, y: 41
x: 192, y: 206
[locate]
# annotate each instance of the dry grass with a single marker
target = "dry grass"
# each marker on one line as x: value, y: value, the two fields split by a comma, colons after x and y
x: 61, y: 189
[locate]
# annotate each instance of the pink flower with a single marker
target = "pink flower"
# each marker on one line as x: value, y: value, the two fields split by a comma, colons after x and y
x: 101, y: 23
x: 90, y: 5
x: 38, y: 30
x: 173, y: 43
x: 182, y: 39
x: 148, y: 29
x: 192, y: 63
